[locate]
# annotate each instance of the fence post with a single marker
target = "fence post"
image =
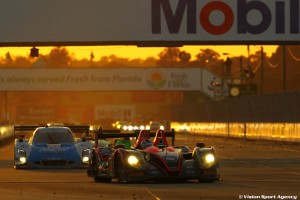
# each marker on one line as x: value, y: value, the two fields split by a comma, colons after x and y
x: 245, y: 131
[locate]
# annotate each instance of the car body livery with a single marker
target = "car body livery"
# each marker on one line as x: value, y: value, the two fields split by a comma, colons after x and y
x: 52, y: 146
x: 151, y: 160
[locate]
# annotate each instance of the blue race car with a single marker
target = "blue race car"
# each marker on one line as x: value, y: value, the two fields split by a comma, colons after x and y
x: 149, y: 160
x: 51, y: 146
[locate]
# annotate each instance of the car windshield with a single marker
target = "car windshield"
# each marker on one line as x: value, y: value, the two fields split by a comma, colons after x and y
x: 53, y: 136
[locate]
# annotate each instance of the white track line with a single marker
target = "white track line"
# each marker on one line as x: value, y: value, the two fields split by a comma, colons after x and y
x: 157, y: 198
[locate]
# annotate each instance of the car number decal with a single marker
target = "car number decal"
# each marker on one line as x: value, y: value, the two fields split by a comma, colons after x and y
x: 62, y: 149
x: 53, y: 145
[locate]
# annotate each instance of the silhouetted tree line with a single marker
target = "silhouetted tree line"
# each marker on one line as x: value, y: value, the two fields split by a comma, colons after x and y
x: 258, y: 68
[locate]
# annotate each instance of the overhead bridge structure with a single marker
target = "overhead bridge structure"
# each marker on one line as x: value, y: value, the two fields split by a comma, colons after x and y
x: 148, y: 22
x: 163, y: 23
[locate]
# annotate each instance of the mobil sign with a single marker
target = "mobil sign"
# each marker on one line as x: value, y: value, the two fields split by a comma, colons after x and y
x: 148, y: 22
x: 232, y: 20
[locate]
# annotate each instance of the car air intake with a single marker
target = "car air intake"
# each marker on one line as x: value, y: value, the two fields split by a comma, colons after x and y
x: 54, y: 162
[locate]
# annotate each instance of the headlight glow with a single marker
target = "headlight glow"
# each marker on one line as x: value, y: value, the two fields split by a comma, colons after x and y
x: 209, y: 158
x: 142, y: 127
x: 86, y: 155
x: 85, y: 159
x: 130, y: 128
x: 22, y: 156
x: 22, y: 160
x: 132, y: 160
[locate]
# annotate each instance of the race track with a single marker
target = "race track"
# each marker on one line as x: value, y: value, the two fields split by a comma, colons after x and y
x: 249, y: 170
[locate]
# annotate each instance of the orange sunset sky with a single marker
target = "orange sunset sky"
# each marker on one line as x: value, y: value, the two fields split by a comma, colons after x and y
x: 132, y: 52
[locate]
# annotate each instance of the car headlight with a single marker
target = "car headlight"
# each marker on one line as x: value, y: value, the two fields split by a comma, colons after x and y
x: 22, y: 156
x: 133, y: 160
x: 23, y: 160
x: 209, y: 158
x: 136, y: 161
x: 86, y: 155
x: 130, y: 128
x: 142, y: 127
x: 85, y: 159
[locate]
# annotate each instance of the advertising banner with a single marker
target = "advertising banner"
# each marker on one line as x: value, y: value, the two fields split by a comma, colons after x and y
x: 115, y: 112
x: 94, y: 79
x: 148, y: 22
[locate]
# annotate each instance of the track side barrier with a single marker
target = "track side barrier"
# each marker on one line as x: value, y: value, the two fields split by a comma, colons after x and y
x: 289, y: 132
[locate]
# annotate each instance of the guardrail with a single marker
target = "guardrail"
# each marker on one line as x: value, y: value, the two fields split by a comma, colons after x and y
x: 289, y: 132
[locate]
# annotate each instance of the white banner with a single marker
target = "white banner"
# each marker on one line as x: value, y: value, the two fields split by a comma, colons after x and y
x: 95, y: 79
x: 147, y: 22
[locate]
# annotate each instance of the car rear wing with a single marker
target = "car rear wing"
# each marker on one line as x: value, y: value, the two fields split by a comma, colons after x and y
x: 103, y: 134
x: 74, y: 128
x: 24, y: 128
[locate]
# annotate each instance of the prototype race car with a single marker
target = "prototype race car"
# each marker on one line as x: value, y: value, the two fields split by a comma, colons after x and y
x: 151, y: 160
x: 51, y: 146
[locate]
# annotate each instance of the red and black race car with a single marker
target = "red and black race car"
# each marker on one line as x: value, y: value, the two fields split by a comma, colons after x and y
x: 149, y: 160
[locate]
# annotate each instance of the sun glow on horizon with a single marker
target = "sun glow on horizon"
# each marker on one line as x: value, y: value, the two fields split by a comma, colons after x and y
x: 134, y: 52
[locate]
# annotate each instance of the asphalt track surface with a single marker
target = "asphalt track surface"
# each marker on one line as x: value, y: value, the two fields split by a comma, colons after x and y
x: 249, y: 170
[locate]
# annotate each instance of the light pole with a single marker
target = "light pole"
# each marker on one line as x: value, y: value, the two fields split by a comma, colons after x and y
x: 5, y: 107
x: 262, y: 70
x: 284, y: 68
